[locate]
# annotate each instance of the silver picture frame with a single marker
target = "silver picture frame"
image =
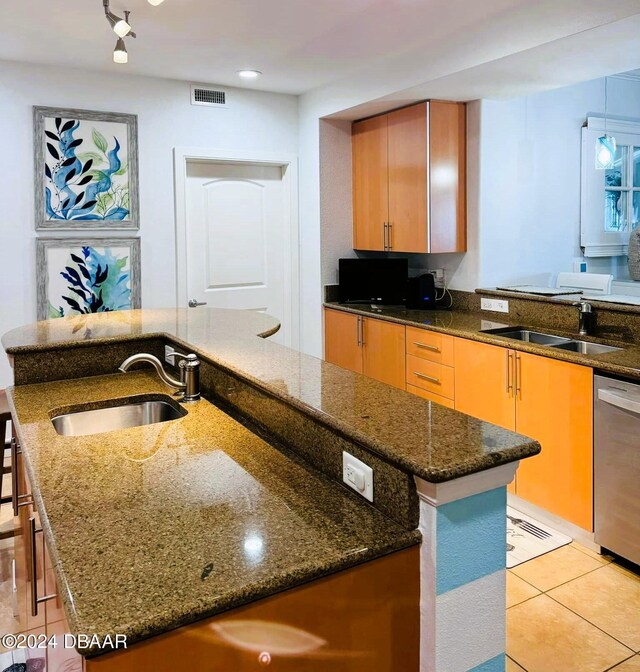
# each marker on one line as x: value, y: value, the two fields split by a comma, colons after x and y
x: 79, y: 219
x: 44, y: 246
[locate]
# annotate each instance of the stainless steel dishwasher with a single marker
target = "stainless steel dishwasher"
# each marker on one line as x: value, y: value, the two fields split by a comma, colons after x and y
x: 617, y: 466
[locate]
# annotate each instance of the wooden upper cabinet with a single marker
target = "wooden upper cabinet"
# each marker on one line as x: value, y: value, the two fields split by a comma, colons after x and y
x: 407, y: 138
x: 447, y: 177
x: 341, y: 340
x: 555, y: 407
x: 384, y: 352
x: 409, y: 179
x: 370, y: 183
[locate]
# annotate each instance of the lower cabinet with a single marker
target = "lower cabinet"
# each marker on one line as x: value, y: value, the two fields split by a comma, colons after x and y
x: 35, y: 579
x: 546, y: 399
x: 366, y: 345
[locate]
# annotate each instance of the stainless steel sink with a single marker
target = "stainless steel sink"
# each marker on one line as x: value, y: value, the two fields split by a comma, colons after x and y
x: 586, y: 348
x: 527, y: 336
x: 117, y: 415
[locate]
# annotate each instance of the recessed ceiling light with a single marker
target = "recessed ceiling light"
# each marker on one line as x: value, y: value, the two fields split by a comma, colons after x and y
x: 155, y: 3
x: 249, y: 74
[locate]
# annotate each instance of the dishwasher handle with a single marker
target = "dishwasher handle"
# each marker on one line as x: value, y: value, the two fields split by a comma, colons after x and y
x: 619, y: 400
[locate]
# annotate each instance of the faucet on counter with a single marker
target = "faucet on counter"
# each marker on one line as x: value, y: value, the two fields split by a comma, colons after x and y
x: 189, y: 366
x: 585, y: 320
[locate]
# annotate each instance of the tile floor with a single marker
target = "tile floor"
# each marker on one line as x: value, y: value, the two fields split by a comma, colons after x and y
x: 573, y: 610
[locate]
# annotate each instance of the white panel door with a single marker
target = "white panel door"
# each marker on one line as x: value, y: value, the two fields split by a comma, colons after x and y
x: 237, y: 231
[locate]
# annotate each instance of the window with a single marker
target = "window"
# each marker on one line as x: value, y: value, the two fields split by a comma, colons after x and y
x: 610, y: 207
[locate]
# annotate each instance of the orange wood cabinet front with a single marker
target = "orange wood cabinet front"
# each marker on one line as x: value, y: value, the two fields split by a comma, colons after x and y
x: 555, y: 406
x: 365, y: 345
x: 364, y: 619
x: 409, y: 179
x: 545, y: 399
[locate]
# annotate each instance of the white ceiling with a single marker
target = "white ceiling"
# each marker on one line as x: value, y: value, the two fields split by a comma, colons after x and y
x: 379, y: 46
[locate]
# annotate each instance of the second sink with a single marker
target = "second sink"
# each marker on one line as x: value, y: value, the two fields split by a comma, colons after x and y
x: 117, y: 414
x: 527, y: 335
x: 585, y: 347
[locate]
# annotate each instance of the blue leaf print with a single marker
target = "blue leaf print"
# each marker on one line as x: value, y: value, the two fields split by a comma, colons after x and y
x: 106, y: 287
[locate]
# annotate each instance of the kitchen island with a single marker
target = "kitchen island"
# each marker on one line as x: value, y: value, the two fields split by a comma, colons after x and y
x: 240, y: 501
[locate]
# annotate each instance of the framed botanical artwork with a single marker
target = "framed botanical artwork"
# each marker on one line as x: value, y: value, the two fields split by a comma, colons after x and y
x: 93, y: 275
x: 86, y: 169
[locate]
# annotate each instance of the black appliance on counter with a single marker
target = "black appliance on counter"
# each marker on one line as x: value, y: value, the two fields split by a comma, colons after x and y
x: 422, y: 292
x: 377, y: 281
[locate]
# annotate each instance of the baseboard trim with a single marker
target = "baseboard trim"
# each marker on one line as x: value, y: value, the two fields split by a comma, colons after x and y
x: 580, y: 535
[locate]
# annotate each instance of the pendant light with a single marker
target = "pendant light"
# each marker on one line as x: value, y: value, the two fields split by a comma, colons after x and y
x: 605, y: 144
x: 120, y: 54
x: 119, y: 25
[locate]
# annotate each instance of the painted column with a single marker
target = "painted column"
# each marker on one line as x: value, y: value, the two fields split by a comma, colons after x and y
x: 463, y: 572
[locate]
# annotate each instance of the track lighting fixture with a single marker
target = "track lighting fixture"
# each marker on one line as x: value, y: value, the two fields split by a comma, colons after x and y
x: 119, y: 25
x: 120, y: 54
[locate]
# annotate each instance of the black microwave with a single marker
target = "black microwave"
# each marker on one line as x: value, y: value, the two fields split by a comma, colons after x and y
x: 378, y: 281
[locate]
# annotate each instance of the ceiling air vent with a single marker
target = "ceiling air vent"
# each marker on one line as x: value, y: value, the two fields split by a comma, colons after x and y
x: 209, y: 97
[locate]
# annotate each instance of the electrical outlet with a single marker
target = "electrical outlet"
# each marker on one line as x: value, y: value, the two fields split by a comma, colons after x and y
x: 439, y: 277
x: 357, y: 475
x: 496, y: 305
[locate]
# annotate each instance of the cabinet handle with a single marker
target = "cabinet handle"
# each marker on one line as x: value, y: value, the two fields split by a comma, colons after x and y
x: 15, y: 497
x: 362, y: 343
x: 431, y: 379
x: 433, y: 348
x: 389, y: 245
x: 385, y: 245
x: 518, y: 375
x: 509, y: 372
x: 35, y: 600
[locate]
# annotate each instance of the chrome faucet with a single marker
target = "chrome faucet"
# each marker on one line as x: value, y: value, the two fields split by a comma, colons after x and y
x: 189, y: 366
x: 585, y: 320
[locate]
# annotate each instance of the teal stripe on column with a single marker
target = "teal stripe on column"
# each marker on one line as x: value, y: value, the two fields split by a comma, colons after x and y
x: 471, y: 538
x: 496, y: 664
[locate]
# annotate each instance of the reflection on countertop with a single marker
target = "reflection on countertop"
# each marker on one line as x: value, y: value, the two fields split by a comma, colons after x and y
x: 156, y: 526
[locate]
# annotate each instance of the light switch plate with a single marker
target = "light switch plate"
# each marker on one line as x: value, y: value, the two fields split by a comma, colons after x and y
x: 357, y: 475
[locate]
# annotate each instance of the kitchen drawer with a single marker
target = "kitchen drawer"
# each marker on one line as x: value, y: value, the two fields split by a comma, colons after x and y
x: 430, y: 376
x: 430, y: 396
x: 429, y: 345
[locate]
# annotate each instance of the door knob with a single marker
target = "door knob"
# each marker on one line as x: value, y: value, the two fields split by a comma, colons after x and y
x: 194, y: 303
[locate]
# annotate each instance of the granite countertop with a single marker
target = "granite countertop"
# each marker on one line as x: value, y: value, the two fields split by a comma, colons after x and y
x: 420, y: 437
x: 153, y: 527
x: 624, y: 362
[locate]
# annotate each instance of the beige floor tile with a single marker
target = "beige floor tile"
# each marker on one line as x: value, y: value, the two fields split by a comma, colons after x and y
x: 631, y: 665
x: 608, y: 598
x: 559, y: 566
x: 512, y: 666
x: 544, y: 636
x: 518, y: 590
x: 588, y: 551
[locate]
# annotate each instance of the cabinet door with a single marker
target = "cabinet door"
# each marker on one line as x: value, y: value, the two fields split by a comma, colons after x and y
x: 555, y: 406
x: 407, y: 131
x: 370, y: 183
x: 483, y: 382
x: 341, y: 345
x: 447, y: 177
x: 384, y: 356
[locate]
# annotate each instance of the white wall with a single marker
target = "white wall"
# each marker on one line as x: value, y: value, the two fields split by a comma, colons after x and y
x: 254, y: 121
x: 530, y: 181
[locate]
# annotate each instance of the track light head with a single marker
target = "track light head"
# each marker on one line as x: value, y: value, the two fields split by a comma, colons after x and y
x: 120, y: 54
x: 119, y: 25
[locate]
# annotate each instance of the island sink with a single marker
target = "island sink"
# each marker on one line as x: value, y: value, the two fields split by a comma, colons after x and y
x: 117, y: 414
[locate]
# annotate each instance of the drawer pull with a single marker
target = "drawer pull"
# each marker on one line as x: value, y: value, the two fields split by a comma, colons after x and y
x: 433, y: 348
x: 35, y: 600
x: 431, y: 379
